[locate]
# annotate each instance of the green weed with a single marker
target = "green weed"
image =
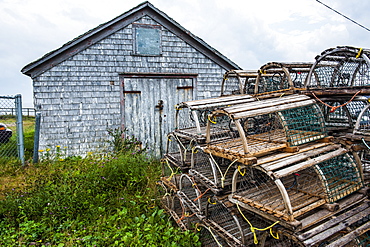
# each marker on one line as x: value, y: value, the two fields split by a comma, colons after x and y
x: 100, y: 200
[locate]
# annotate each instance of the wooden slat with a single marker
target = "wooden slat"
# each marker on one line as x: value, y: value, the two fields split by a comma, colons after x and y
x: 309, y: 208
x: 333, y: 222
x: 336, y: 228
x: 266, y: 103
x: 277, y: 157
x: 297, y: 157
x: 293, y: 225
x: 350, y: 236
x: 220, y: 101
x: 324, y: 214
x: 275, y: 108
x: 308, y: 163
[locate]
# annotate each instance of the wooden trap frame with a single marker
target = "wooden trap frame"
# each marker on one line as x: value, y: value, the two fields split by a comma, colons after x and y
x: 244, y: 132
x: 191, y: 116
x: 225, y: 222
x: 271, y: 78
x: 209, y: 237
x: 176, y: 208
x: 341, y: 70
x: 238, y: 82
x: 276, y: 77
x: 365, y: 161
x: 194, y: 195
x: 282, y: 187
x: 341, y: 112
x: 213, y: 172
x: 178, y: 151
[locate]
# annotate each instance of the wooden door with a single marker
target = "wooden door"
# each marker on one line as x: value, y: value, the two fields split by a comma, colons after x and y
x: 149, y: 108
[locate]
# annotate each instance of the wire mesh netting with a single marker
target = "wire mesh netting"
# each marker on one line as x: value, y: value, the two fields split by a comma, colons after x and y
x: 182, y: 215
x: 186, y: 118
x: 165, y: 195
x: 275, y: 81
x: 345, y: 113
x: 224, y: 221
x: 9, y: 117
x: 303, y: 124
x: 266, y: 132
x: 277, y: 77
x: 238, y: 82
x: 192, y: 117
x: 259, y: 190
x: 209, y: 237
x: 340, y: 176
x: 340, y: 67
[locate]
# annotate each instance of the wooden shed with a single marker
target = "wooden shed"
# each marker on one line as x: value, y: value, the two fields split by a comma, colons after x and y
x: 129, y: 72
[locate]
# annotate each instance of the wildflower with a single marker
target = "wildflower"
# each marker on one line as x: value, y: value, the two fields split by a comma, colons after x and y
x: 42, y: 150
x: 103, y: 177
x: 58, y: 146
x: 48, y: 149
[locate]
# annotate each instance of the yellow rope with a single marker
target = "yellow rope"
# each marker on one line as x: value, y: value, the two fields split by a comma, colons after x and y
x: 196, y: 227
x: 254, y: 229
x: 172, y: 172
x: 241, y: 172
x: 359, y: 53
x: 218, y: 243
x: 223, y: 176
x: 209, y: 119
x: 209, y: 201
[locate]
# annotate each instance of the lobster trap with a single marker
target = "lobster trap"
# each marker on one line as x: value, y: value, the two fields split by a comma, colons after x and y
x: 283, y: 187
x: 343, y: 67
x: 280, y: 77
x: 178, y: 152
x: 213, y: 172
x: 194, y: 195
x: 362, y: 126
x: 256, y: 129
x: 176, y: 208
x: 225, y: 222
x: 341, y: 113
x: 238, y: 82
x: 192, y: 116
x: 209, y: 237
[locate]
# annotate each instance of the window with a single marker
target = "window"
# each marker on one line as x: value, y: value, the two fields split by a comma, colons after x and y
x: 147, y: 40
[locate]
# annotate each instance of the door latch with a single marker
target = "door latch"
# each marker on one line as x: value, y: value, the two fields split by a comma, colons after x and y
x: 159, y: 106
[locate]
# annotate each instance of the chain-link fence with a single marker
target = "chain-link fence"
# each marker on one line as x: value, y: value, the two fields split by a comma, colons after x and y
x: 11, y: 128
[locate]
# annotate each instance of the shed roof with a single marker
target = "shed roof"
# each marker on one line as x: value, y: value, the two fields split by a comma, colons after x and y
x: 92, y: 36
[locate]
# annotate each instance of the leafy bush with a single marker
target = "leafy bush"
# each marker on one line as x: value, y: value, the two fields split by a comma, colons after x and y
x: 101, y: 200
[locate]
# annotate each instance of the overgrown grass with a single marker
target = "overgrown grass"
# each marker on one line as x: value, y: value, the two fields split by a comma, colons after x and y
x: 101, y: 200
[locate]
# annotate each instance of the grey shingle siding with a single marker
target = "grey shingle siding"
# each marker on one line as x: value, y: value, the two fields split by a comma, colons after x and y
x: 78, y: 102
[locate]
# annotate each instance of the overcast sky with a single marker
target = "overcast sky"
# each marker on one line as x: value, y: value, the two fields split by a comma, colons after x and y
x: 249, y: 32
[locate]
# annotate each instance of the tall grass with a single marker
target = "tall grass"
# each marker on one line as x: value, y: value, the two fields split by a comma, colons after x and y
x: 100, y: 200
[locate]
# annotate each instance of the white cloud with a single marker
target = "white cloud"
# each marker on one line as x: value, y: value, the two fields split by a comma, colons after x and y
x: 248, y: 32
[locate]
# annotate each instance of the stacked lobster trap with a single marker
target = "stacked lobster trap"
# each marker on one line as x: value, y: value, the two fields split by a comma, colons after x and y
x: 270, y: 163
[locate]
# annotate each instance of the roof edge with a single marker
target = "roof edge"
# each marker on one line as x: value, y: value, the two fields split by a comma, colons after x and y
x: 94, y: 35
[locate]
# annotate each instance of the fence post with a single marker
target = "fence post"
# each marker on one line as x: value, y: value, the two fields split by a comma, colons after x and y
x: 37, y: 138
x: 18, y: 105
